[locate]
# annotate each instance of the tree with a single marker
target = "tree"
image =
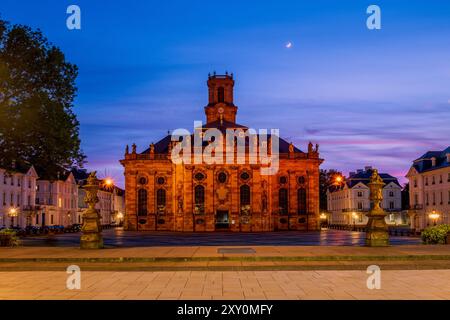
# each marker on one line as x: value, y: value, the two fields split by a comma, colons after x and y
x: 37, y: 90
x: 405, y: 196
x: 326, y: 180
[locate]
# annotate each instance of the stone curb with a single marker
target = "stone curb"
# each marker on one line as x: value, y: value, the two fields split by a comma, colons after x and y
x: 231, y: 258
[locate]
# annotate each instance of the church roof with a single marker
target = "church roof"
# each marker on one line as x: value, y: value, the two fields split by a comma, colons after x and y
x: 224, y: 124
x: 162, y: 146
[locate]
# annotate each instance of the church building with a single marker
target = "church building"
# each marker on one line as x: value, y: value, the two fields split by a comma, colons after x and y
x: 198, y: 197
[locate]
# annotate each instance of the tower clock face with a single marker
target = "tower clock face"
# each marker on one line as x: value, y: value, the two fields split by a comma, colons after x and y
x: 220, y: 110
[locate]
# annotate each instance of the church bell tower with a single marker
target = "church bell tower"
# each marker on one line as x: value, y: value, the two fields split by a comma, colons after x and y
x: 220, y: 98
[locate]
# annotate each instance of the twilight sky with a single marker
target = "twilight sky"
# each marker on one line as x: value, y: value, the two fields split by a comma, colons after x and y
x: 379, y: 98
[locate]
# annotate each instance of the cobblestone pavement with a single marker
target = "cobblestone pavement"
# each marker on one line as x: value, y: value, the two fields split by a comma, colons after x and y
x: 410, y: 284
x: 119, y: 238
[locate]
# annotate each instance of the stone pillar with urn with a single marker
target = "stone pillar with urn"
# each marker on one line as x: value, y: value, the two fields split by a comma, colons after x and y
x: 377, y: 234
x: 91, y: 237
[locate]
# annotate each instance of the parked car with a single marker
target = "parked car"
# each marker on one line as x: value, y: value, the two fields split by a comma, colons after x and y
x: 73, y: 228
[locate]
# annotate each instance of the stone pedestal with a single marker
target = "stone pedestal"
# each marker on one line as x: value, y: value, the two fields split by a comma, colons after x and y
x: 92, y: 231
x: 377, y: 234
x: 91, y: 237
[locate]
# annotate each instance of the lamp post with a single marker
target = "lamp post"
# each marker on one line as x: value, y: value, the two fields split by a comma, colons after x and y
x: 120, y: 217
x: 434, y: 216
x: 354, y: 216
x: 323, y: 218
x: 108, y: 184
x: 13, y: 212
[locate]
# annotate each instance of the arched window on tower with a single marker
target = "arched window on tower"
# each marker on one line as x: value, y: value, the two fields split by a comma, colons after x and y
x: 161, y: 201
x: 245, y: 199
x: 142, y: 202
x: 301, y: 200
x: 199, y: 199
x: 220, y: 94
x: 283, y: 200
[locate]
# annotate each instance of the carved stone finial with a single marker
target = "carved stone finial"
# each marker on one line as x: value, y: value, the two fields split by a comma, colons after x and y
x: 127, y: 150
x: 152, y: 148
x: 376, y: 185
x: 291, y: 148
x: 317, y: 148
x: 133, y: 148
x: 91, y: 190
x: 310, y: 147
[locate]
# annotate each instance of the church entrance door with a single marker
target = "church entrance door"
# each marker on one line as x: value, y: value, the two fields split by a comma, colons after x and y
x: 222, y: 221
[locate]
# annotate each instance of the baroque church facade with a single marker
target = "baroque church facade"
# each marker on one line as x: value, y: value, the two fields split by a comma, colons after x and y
x: 168, y: 196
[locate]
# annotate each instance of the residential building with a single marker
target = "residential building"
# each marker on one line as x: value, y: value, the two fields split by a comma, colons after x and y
x: 429, y: 189
x: 17, y: 196
x: 349, y: 201
x: 58, y: 201
x: 111, y: 199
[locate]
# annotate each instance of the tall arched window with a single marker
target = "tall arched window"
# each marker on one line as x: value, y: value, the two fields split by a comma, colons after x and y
x: 142, y: 202
x: 245, y: 198
x: 161, y: 200
x: 301, y: 200
x: 199, y: 199
x: 220, y: 94
x: 283, y: 200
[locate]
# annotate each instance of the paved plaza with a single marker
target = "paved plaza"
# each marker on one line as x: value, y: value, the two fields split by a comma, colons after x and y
x: 119, y: 238
x: 410, y: 284
x: 283, y: 265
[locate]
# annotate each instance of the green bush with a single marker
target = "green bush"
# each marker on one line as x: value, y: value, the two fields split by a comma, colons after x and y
x: 8, y: 238
x: 436, y: 234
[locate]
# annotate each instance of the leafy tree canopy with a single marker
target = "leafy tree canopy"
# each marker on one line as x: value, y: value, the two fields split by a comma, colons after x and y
x: 326, y: 180
x: 37, y: 90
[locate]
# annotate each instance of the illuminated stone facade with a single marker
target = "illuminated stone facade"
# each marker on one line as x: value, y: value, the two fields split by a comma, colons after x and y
x: 162, y: 195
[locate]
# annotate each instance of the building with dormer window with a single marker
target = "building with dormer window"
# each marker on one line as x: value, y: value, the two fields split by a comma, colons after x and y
x: 57, y: 200
x: 349, y: 202
x: 429, y: 189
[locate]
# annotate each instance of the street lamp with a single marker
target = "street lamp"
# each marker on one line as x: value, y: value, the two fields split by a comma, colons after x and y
x: 120, y: 218
x: 109, y: 182
x: 434, y: 216
x: 13, y: 212
x: 354, y: 216
x: 323, y: 218
x: 338, y: 179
